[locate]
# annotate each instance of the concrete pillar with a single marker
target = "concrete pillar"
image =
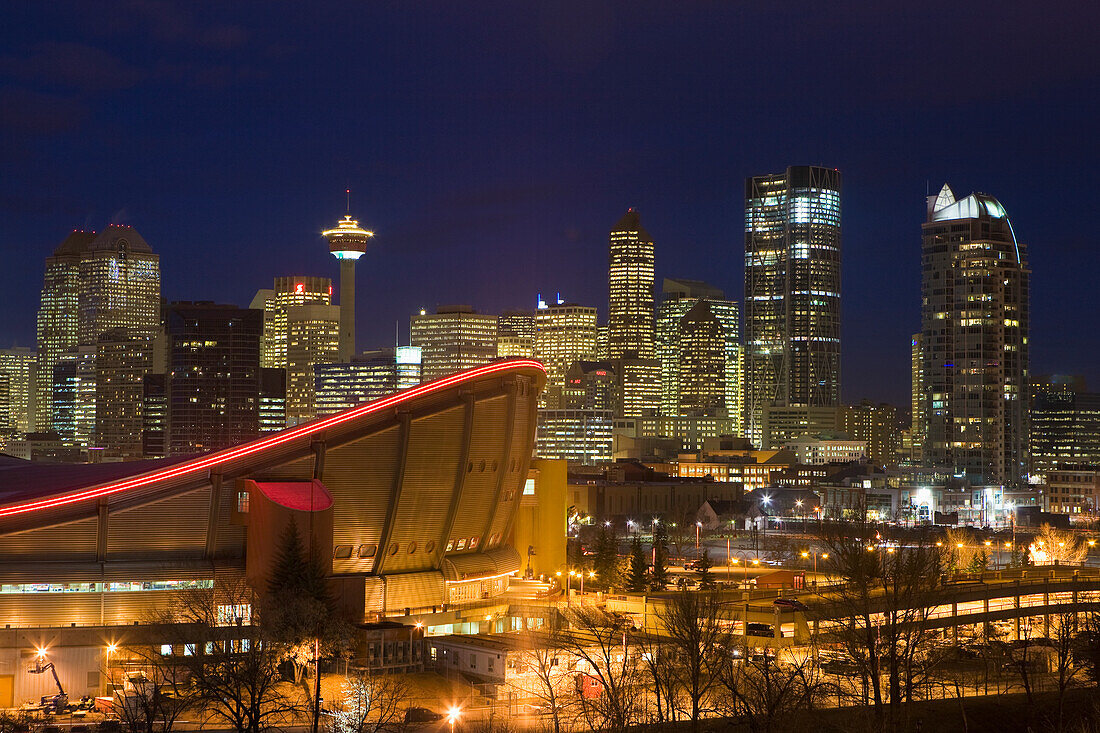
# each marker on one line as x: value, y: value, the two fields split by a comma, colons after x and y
x: 955, y: 621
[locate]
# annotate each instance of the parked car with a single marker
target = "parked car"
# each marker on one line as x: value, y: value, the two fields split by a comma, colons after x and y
x: 790, y: 603
x: 421, y: 715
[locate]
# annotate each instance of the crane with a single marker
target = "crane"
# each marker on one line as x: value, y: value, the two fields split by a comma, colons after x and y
x: 60, y: 701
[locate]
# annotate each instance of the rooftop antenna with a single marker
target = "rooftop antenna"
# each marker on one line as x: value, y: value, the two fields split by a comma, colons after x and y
x: 348, y: 192
x: 397, y: 333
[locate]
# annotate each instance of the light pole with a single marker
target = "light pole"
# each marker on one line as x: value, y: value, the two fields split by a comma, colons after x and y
x: 698, y: 526
x: 452, y: 717
x: 745, y: 559
x: 824, y: 556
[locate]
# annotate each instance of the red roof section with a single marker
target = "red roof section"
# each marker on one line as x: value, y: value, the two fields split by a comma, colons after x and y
x: 301, y: 496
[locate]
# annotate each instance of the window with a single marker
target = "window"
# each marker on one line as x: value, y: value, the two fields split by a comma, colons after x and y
x: 412, y: 547
x: 450, y: 545
x: 461, y: 544
x: 473, y: 542
x: 242, y: 502
x: 393, y: 548
x: 430, y: 546
x: 342, y: 552
x: 366, y: 551
x: 166, y: 650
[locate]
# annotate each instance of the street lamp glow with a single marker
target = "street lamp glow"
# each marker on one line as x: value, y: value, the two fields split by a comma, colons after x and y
x: 41, y: 651
x: 112, y: 648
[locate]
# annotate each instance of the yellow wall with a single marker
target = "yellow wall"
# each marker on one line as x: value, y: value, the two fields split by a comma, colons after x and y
x: 541, y: 522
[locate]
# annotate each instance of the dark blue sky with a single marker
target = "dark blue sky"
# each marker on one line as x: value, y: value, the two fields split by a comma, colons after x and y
x: 492, y: 145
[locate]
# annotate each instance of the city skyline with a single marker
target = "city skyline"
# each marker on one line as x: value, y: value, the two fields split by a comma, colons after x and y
x: 226, y: 221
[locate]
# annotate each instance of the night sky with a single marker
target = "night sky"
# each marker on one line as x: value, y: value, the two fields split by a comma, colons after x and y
x: 492, y: 145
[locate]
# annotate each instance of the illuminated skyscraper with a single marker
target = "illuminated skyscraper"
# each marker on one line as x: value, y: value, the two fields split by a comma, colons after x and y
x: 565, y: 333
x: 630, y: 290
x: 630, y: 321
x: 454, y: 338
x: 347, y: 243
x: 57, y: 316
x: 17, y: 366
x: 516, y: 334
x: 792, y: 292
x: 699, y: 348
x: 974, y: 341
x: 287, y: 293
x: 95, y: 285
x: 119, y: 286
x: 916, y: 428
x: 313, y: 338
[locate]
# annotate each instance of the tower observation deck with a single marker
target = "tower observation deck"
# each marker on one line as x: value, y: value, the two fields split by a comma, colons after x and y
x: 347, y: 242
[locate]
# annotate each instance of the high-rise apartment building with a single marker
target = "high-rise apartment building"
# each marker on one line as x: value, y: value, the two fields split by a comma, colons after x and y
x: 792, y: 292
x: 974, y: 341
x: 1065, y: 423
x: 17, y: 366
x: 630, y: 325
x: 578, y: 436
x: 454, y: 338
x: 313, y: 338
x: 367, y: 377
x: 874, y: 425
x: 264, y: 300
x: 565, y: 333
x: 516, y: 334
x: 699, y: 349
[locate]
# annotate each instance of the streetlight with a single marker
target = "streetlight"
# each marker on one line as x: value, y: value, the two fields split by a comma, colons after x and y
x: 452, y: 717
x: 824, y: 556
x: 698, y: 526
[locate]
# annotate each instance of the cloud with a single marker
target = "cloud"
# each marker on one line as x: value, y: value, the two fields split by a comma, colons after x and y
x: 27, y: 112
x: 71, y: 66
x: 169, y: 22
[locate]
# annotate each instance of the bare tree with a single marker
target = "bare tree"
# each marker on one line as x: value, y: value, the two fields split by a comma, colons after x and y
x: 1057, y: 547
x: 696, y: 636
x: 1066, y: 668
x: 763, y: 692
x: 659, y: 663
x: 232, y: 664
x: 371, y: 703
x: 879, y: 615
x: 153, y: 687
x: 601, y: 648
x: 544, y: 659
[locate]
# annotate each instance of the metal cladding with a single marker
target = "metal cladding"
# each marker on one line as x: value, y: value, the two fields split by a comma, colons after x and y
x: 418, y: 479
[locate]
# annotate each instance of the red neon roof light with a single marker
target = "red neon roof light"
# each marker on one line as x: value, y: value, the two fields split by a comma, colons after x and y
x: 201, y: 464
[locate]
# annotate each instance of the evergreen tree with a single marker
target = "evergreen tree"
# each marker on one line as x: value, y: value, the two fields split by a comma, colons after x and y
x: 606, y: 560
x: 659, y: 577
x: 636, y: 575
x: 979, y: 562
x: 702, y: 569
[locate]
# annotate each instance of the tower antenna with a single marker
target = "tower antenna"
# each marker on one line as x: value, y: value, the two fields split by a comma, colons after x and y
x: 348, y: 192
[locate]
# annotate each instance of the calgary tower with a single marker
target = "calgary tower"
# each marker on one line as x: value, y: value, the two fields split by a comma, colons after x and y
x: 347, y: 243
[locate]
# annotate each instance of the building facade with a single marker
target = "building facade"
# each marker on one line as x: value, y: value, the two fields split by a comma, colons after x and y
x: 17, y: 367
x: 581, y: 436
x: 516, y: 335
x: 454, y: 338
x: 699, y: 349
x: 213, y: 378
x: 876, y: 426
x: 1065, y: 423
x: 565, y: 333
x: 313, y: 338
x: 630, y: 318
x: 974, y: 341
x: 792, y: 292
x: 369, y: 376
